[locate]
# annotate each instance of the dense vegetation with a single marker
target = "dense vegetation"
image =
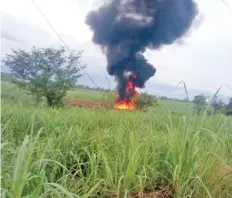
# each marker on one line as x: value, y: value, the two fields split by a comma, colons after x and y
x: 45, y: 72
x: 78, y: 152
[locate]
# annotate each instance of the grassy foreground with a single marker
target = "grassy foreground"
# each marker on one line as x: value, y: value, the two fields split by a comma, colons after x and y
x: 73, y: 152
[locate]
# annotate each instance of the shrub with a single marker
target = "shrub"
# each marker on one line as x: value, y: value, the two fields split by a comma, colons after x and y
x: 145, y: 100
x: 45, y: 72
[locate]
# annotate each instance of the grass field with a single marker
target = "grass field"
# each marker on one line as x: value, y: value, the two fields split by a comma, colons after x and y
x: 77, y: 152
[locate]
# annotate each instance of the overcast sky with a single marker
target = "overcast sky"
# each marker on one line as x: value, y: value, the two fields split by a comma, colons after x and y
x: 204, y: 61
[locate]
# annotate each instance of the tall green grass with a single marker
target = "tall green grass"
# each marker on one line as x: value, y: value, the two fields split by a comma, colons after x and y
x: 73, y: 152
x: 86, y: 95
x: 11, y: 92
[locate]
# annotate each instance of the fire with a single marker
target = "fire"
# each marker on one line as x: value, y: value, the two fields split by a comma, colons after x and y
x: 128, y: 104
x: 124, y: 104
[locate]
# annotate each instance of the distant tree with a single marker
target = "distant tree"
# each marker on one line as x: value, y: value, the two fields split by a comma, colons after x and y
x: 200, y: 102
x: 229, y: 108
x: 163, y: 98
x: 145, y: 100
x: 218, y: 105
x: 47, y: 72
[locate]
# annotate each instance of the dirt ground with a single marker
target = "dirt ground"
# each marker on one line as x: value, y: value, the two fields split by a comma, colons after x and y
x: 165, y: 192
x: 154, y: 194
x: 86, y: 104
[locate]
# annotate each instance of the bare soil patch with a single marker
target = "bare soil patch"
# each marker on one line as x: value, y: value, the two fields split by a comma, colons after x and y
x: 156, y: 193
x: 86, y: 104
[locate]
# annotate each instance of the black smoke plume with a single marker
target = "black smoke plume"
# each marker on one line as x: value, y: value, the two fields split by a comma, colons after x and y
x: 125, y: 28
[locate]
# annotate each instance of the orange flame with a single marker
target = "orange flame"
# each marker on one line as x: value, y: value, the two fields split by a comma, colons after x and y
x: 123, y: 104
x: 128, y: 104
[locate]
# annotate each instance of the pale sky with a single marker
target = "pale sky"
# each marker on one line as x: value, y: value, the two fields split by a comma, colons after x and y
x: 204, y: 61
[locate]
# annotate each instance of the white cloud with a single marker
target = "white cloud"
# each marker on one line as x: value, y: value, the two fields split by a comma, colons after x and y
x: 204, y: 62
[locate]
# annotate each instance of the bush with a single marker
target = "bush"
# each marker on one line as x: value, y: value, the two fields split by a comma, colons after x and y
x: 145, y: 100
x: 45, y: 72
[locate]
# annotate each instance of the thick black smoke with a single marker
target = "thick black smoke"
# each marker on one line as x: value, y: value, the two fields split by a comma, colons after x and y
x: 125, y: 28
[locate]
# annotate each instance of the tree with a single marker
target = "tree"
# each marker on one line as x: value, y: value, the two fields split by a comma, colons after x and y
x: 145, y: 100
x: 200, y: 103
x: 229, y: 108
x: 218, y: 105
x: 45, y: 72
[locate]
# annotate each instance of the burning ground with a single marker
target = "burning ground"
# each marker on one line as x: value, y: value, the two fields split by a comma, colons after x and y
x: 124, y: 29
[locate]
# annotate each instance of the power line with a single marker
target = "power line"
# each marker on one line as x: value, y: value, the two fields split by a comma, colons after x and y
x: 227, y: 5
x: 60, y: 38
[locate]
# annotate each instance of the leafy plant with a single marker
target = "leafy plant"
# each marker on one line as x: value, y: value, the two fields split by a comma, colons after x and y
x: 218, y: 105
x: 200, y: 103
x: 145, y: 100
x: 45, y: 72
x: 229, y: 108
